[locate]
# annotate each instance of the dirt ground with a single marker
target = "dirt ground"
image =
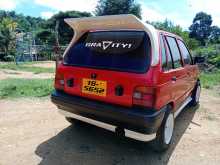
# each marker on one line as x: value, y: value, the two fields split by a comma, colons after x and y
x: 44, y: 64
x: 6, y: 73
x: 33, y: 132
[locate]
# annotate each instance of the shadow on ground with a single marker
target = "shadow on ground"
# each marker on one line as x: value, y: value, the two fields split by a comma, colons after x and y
x: 90, y: 145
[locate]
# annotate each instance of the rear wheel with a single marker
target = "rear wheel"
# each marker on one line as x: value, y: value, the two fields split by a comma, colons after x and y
x: 164, y: 134
x: 196, y: 94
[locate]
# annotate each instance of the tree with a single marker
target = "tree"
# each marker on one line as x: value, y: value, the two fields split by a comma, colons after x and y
x: 176, y: 29
x: 24, y: 23
x: 215, y: 35
x: 167, y: 25
x: 64, y: 31
x: 7, y: 35
x: 201, y: 27
x: 45, y: 36
x: 112, y: 7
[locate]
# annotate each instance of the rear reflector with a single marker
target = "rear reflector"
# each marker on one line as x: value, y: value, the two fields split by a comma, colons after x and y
x: 137, y: 95
x: 144, y: 96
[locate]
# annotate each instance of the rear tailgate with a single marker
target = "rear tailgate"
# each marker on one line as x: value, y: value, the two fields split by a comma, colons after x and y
x: 110, y: 86
x: 108, y: 65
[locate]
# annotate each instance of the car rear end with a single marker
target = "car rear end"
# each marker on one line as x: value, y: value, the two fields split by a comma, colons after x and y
x: 105, y: 79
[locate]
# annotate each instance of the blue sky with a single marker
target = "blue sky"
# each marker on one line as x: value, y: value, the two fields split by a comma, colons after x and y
x: 181, y: 12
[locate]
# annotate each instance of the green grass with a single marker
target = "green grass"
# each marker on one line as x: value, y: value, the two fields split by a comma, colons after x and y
x: 209, y: 80
x: 15, y: 88
x: 25, y: 67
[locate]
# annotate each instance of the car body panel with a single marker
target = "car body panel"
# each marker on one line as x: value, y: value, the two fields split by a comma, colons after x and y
x: 113, y: 78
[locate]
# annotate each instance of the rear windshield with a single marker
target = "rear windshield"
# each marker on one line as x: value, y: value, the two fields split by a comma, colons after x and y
x: 114, y: 50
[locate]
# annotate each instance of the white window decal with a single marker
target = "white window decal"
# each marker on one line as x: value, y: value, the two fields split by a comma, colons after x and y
x: 108, y: 44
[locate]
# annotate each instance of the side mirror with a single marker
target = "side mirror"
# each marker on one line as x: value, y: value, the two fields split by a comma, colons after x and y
x: 198, y: 60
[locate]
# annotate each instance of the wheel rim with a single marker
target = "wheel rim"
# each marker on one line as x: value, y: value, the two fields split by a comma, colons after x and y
x: 198, y: 90
x: 169, y: 125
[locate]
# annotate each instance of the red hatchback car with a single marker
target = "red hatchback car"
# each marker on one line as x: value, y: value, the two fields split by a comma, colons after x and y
x: 125, y: 76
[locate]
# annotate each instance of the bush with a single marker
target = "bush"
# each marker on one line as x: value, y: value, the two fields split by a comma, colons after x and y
x: 211, y: 53
x: 13, y: 88
x: 209, y: 80
x: 9, y: 58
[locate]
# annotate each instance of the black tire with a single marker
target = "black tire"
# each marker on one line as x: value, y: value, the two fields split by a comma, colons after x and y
x: 195, y: 100
x: 159, y: 144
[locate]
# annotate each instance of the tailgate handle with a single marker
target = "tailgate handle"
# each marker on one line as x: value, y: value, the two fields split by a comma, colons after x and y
x: 119, y: 90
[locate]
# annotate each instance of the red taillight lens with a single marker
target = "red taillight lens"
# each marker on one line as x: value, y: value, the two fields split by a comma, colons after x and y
x: 144, y: 96
x: 59, y: 81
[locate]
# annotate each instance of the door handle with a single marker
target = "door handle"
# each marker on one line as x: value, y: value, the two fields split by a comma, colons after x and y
x: 173, y: 78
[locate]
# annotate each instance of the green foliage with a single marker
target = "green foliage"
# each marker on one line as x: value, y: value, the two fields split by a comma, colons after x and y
x: 210, y: 52
x: 64, y: 31
x: 7, y: 35
x: 24, y: 23
x: 209, y: 80
x: 215, y: 35
x: 113, y: 7
x: 45, y: 36
x: 10, y: 24
x: 25, y: 67
x: 201, y: 27
x: 43, y: 30
x: 191, y: 42
x: 13, y: 88
x: 176, y: 29
x: 9, y: 58
x: 167, y: 25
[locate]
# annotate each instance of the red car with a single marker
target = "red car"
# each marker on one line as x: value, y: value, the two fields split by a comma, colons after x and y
x: 125, y: 76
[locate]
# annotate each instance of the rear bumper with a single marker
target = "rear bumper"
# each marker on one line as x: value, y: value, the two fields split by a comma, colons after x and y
x: 139, y: 124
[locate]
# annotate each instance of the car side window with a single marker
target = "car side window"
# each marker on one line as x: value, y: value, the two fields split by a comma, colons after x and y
x: 174, y: 51
x: 166, y: 59
x: 163, y: 54
x: 185, y: 53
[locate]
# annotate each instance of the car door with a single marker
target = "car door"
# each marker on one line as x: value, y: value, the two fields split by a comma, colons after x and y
x: 188, y: 65
x: 179, y: 76
x: 166, y: 84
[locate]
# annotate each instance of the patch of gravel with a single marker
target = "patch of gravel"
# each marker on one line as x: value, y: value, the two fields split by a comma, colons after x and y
x: 44, y: 64
x: 33, y: 132
x: 6, y: 73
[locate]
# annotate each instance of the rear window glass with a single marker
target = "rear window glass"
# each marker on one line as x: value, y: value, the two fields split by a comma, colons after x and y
x: 114, y: 50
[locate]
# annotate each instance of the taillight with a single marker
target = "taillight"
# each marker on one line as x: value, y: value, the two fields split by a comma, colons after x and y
x: 59, y: 61
x: 59, y: 81
x: 144, y: 96
x: 59, y: 77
